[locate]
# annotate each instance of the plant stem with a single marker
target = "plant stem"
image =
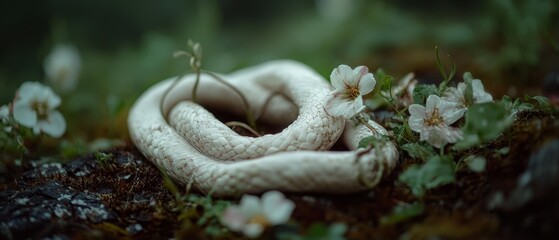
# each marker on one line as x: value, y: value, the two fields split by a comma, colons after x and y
x: 364, y: 122
x: 250, y: 117
x: 246, y: 127
x: 162, y: 102
x: 194, y: 90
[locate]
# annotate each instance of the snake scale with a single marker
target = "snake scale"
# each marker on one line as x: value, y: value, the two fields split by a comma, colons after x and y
x: 194, y: 148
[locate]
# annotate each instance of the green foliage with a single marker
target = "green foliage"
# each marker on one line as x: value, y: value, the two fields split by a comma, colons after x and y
x: 187, y: 206
x: 484, y: 122
x: 402, y: 213
x: 318, y: 231
x: 515, y: 18
x: 447, y: 78
x: 384, y: 81
x: 11, y: 142
x: 515, y: 106
x: 419, y: 150
x: 542, y: 102
x: 372, y: 141
x: 211, y: 214
x: 469, y: 92
x: 437, y: 171
x: 103, y: 159
x: 422, y: 91
x: 518, y: 105
x: 72, y: 149
x: 383, y: 85
x: 476, y: 163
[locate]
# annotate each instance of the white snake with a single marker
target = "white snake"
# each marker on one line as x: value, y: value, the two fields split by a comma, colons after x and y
x: 196, y: 149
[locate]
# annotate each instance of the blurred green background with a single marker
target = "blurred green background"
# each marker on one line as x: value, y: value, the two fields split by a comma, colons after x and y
x: 127, y: 45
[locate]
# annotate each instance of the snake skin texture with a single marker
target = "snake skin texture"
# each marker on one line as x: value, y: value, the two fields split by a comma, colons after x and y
x: 185, y: 139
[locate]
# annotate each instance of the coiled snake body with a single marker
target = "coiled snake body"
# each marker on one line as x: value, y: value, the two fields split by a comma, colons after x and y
x: 196, y: 149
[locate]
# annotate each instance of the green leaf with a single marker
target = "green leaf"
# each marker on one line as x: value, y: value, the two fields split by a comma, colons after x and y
x: 468, y: 78
x: 503, y: 151
x: 543, y: 102
x: 402, y: 213
x: 371, y: 141
x: 419, y: 150
x: 469, y: 92
x: 384, y: 81
x: 447, y: 78
x: 476, y: 163
x: 317, y: 231
x: 439, y: 63
x: 422, y: 91
x: 437, y: 171
x: 484, y: 122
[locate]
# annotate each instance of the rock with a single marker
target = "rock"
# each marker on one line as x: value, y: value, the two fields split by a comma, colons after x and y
x: 106, y: 194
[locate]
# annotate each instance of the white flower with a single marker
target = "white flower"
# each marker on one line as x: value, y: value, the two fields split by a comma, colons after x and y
x: 433, y: 121
x: 35, y: 107
x: 456, y: 95
x: 62, y: 67
x: 4, y: 115
x: 254, y: 215
x: 349, y: 87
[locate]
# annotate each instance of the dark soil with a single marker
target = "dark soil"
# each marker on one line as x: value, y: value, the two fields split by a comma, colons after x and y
x: 119, y: 194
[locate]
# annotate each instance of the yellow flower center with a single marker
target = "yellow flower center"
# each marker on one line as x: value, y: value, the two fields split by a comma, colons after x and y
x: 260, y: 220
x: 352, y: 91
x: 41, y: 108
x: 435, y: 119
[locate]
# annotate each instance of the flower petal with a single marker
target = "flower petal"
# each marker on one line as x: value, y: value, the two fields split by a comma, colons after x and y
x: 250, y: 205
x: 417, y: 110
x: 253, y: 230
x: 417, y: 117
x: 454, y: 95
x: 336, y: 105
x: 480, y: 96
x: 233, y: 218
x: 454, y: 114
x: 24, y: 114
x: 36, y: 130
x: 276, y: 207
x: 339, y: 76
x: 451, y: 111
x: 432, y: 102
x: 4, y: 112
x: 366, y: 84
x: 416, y: 124
x: 54, y: 125
x: 62, y: 67
x: 53, y: 101
x: 28, y: 90
x: 439, y: 136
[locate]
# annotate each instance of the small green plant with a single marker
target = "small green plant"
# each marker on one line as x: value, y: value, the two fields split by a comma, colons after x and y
x: 318, y: 231
x: 437, y: 171
x: 103, y: 159
x: 403, y: 212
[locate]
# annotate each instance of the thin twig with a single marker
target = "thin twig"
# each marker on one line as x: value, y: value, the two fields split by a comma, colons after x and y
x: 167, y: 91
x: 243, y: 125
x: 364, y: 122
x: 250, y: 118
x: 268, y: 100
x: 195, y: 89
